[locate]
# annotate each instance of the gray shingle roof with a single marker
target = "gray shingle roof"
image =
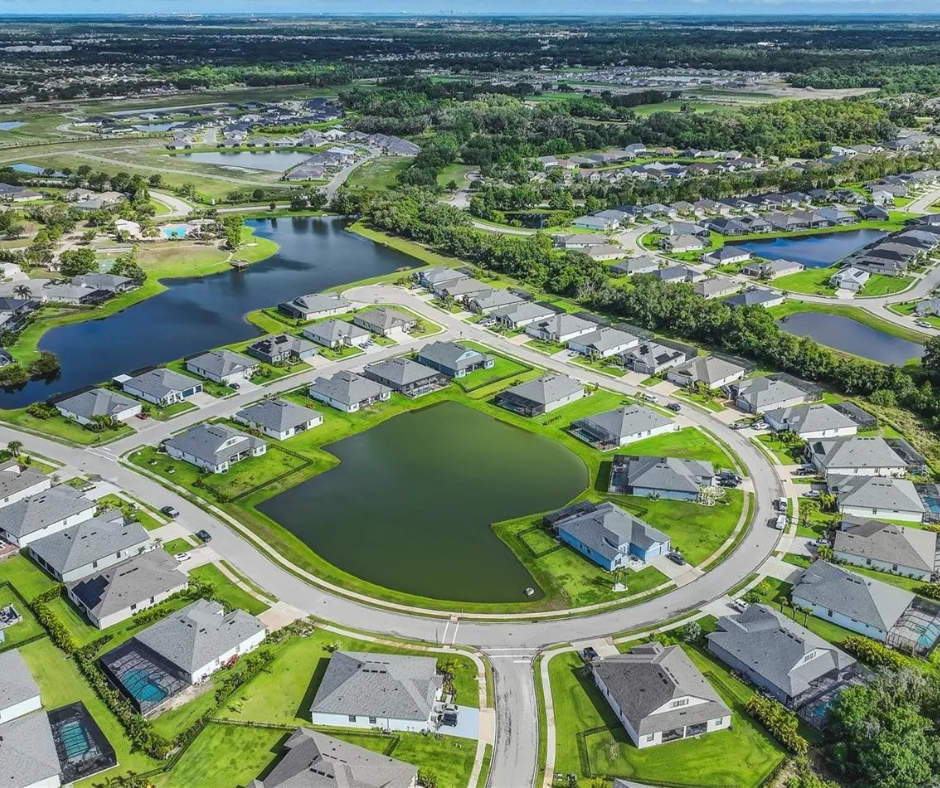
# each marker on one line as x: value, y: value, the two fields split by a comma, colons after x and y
x: 606, y: 339
x: 318, y: 302
x: 97, y: 402
x: 160, y: 382
x: 649, y: 677
x: 546, y: 389
x: 383, y: 318
x: 329, y: 332
x: 129, y: 582
x: 16, y: 682
x: 451, y: 355
x: 27, y: 751
x: 315, y: 760
x: 564, y: 324
x: 494, y: 298
x: 855, y: 452
x: 89, y: 541
x: 213, y: 443
x: 610, y: 531
x: 861, y: 598
x: 708, y: 369
x: 628, y: 420
x: 222, y: 362
x: 400, y: 371
x: 283, y: 343
x: 521, y: 312
x: 199, y: 633
x: 378, y: 685
x: 753, y: 297
x: 14, y: 480
x: 876, y: 492
x: 347, y: 387
x: 667, y: 473
x: 101, y: 281
x: 773, y: 645
x: 894, y: 544
x: 810, y: 418
x: 278, y: 415
x: 42, y: 509
x: 764, y: 392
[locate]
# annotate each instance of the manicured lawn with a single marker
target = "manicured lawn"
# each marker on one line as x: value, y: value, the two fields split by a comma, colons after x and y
x: 711, y: 403
x: 792, y: 453
x: 60, y: 428
x: 27, y: 628
x: 740, y: 757
x: 505, y: 368
x: 227, y: 592
x: 175, y: 546
x: 140, y: 511
x: 881, y: 285
x: 600, y: 365
x: 542, y: 346
x: 813, y: 281
x: 379, y: 174
x: 907, y: 308
x: 27, y: 578
x: 813, y: 522
x: 687, y: 443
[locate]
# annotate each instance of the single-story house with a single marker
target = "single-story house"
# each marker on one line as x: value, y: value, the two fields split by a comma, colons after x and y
x: 485, y: 301
x: 603, y: 342
x: 759, y: 394
x: 781, y: 657
x: 43, y: 514
x: 560, y: 328
x: 161, y: 387
x: 877, y: 496
x: 635, y: 265
x: 118, y: 592
x: 19, y: 693
x: 850, y: 278
x: 373, y: 690
x: 716, y: 287
x: 201, y: 638
x: 315, y: 760
x: 659, y: 696
x: 542, y: 395
x: 110, y: 282
x: 662, y: 477
x: 17, y: 483
x: 811, y: 421
x: 282, y: 348
x: 453, y: 359
x: 520, y: 315
x: 727, y: 255
x: 711, y: 371
x: 754, y: 296
x: 875, y: 544
x: 614, y: 428
x: 28, y: 753
x: 386, y: 322
x: 680, y: 244
x: 432, y: 277
x: 223, y: 366
x: 213, y: 447
x: 348, y: 391
x: 90, y: 546
x: 279, y: 418
x: 651, y: 358
x: 856, y: 456
x: 608, y: 535
x: 676, y: 274
x: 462, y: 289
x: 595, y: 223
x: 337, y: 333
x: 98, y: 403
x: 406, y: 377
x: 315, y: 305
x: 873, y: 212
x: 771, y: 269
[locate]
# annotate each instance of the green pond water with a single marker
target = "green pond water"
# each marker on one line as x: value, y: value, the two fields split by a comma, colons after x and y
x: 410, y: 505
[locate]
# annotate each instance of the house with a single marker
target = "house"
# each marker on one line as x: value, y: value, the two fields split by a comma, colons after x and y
x: 603, y: 252
x: 579, y: 240
x: 849, y: 278
x: 540, y: 396
x: 28, y: 754
x: 755, y: 296
x: 771, y: 269
x: 782, y: 658
x: 213, y: 447
x: 19, y: 693
x: 520, y: 315
x: 855, y: 456
x: 200, y: 638
x: 17, y: 483
x: 927, y: 307
x: 48, y: 512
x: 315, y: 305
x: 635, y: 265
x: 112, y: 283
x: 859, y: 604
x: 727, y: 226
x: 486, y: 301
x: 560, y: 328
x: 161, y: 387
x: 727, y: 255
x: 453, y: 359
x: 716, y: 287
x: 406, y: 377
x: 873, y: 213
x: 875, y: 544
x: 440, y: 275
x: 461, y: 289
x: 680, y: 244
x: 279, y: 418
x: 337, y: 333
x: 348, y: 392
x: 710, y: 371
x: 607, y: 534
x: 836, y: 216
x: 760, y: 394
x: 651, y: 358
x: 811, y: 421
x: 373, y: 690
x: 315, y: 760
x: 90, y: 546
x: 89, y: 406
x: 662, y: 477
x: 877, y: 496
x: 614, y: 428
x: 223, y: 366
x: 386, y: 322
x: 676, y: 274
x: 118, y: 592
x: 282, y: 349
x: 595, y: 223
x: 659, y: 696
x: 603, y: 342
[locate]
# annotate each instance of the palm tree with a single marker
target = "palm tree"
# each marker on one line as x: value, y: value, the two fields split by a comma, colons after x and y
x: 22, y: 291
x: 14, y: 447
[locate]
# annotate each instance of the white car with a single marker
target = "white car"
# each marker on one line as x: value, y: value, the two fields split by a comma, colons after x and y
x: 180, y: 557
x: 739, y: 605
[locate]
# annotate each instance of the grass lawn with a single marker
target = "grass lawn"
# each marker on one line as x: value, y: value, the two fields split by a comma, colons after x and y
x: 687, y: 443
x: 907, y: 309
x: 27, y: 628
x: 813, y: 522
x: 788, y: 453
x: 27, y: 578
x: 63, y: 429
x: 881, y: 285
x: 379, y: 174
x: 812, y: 281
x: 505, y: 368
x: 543, y: 346
x: 743, y: 756
x: 600, y: 365
x: 148, y: 519
x: 711, y: 403
x: 175, y: 546
x: 227, y: 592
x: 907, y: 583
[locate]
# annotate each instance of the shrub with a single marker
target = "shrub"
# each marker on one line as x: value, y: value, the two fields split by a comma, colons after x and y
x: 931, y: 590
x: 781, y: 723
x: 42, y: 410
x: 871, y: 652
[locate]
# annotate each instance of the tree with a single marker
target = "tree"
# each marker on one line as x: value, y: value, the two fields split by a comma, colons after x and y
x: 14, y: 447
x: 232, y: 227
x: 22, y: 291
x: 46, y: 366
x: 74, y: 262
x: 13, y: 376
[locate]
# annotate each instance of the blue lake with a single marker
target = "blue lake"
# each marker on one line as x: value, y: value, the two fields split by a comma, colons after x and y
x: 267, y: 160
x: 9, y: 125
x: 155, y: 126
x: 850, y: 336
x: 814, y: 251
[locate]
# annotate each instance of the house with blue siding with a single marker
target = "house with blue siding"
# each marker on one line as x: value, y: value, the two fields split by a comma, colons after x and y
x: 607, y: 534
x: 660, y: 477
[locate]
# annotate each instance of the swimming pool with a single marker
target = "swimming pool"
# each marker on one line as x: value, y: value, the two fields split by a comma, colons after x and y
x: 74, y: 739
x: 175, y: 231
x: 142, y: 688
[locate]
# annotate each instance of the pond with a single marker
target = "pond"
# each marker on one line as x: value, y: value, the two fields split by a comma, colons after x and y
x: 31, y: 169
x: 267, y: 160
x: 814, y: 251
x: 198, y: 313
x: 155, y: 126
x: 9, y: 125
x: 410, y: 505
x: 850, y: 336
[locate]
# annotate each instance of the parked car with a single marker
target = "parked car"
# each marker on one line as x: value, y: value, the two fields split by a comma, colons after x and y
x: 675, y: 407
x: 170, y: 511
x: 676, y: 557
x: 782, y: 505
x: 181, y: 557
x: 740, y: 605
x: 204, y: 535
x: 589, y: 654
x: 235, y: 386
x: 823, y: 541
x: 781, y: 522
x: 739, y: 425
x: 449, y: 719
x: 813, y: 494
x: 142, y: 416
x: 648, y: 397
x: 805, y: 470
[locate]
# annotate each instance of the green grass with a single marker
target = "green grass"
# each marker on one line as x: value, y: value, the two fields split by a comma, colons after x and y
x: 504, y: 368
x: 27, y: 578
x: 881, y: 285
x: 709, y: 403
x: 26, y: 629
x: 379, y: 174
x: 813, y: 281
x: 855, y: 313
x: 907, y: 309
x: 178, y: 546
x: 687, y: 443
x: 787, y: 453
x: 63, y: 429
x: 907, y: 583
x: 741, y: 757
x: 227, y: 592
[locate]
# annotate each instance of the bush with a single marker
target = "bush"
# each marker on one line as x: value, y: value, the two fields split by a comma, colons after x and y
x: 42, y: 410
x: 931, y: 590
x: 871, y: 652
x: 781, y: 723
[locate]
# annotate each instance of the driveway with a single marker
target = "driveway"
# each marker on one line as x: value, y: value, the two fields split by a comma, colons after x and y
x: 468, y: 724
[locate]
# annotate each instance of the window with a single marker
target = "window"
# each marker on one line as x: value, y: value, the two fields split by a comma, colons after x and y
x: 352, y: 717
x: 134, y: 607
x: 650, y: 736
x: 680, y: 702
x: 94, y: 564
x: 372, y: 720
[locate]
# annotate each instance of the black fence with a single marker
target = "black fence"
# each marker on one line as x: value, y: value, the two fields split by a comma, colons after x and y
x: 80, y: 744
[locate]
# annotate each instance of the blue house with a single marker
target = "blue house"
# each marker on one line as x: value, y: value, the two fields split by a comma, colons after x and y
x: 453, y: 359
x: 607, y: 534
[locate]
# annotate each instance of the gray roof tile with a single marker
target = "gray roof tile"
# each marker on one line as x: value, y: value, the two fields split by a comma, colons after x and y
x: 89, y: 541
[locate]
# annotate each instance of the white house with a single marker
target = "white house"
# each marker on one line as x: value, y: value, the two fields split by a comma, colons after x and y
x: 856, y: 456
x: 614, y: 428
x: 278, y: 418
x: 878, y: 497
x: 213, y: 447
x: 17, y: 483
x: 874, y: 544
x: 603, y: 343
x: 98, y: 403
x: 45, y: 513
x: 223, y: 366
x: 811, y: 421
x: 560, y: 328
x: 850, y: 278
x: 19, y: 693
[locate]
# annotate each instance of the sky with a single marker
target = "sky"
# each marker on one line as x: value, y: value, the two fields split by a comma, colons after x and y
x: 548, y: 7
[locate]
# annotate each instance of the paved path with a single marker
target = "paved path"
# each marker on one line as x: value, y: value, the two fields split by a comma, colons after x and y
x: 177, y: 206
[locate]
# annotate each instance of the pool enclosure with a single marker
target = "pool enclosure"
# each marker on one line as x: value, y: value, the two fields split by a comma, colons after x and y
x: 80, y: 745
x: 143, y: 676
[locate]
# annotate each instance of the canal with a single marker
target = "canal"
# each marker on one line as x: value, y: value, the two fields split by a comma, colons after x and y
x: 850, y: 336
x: 199, y: 313
x: 410, y: 505
x: 814, y: 251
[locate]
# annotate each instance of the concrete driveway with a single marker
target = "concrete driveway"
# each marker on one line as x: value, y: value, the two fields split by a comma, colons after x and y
x: 468, y: 724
